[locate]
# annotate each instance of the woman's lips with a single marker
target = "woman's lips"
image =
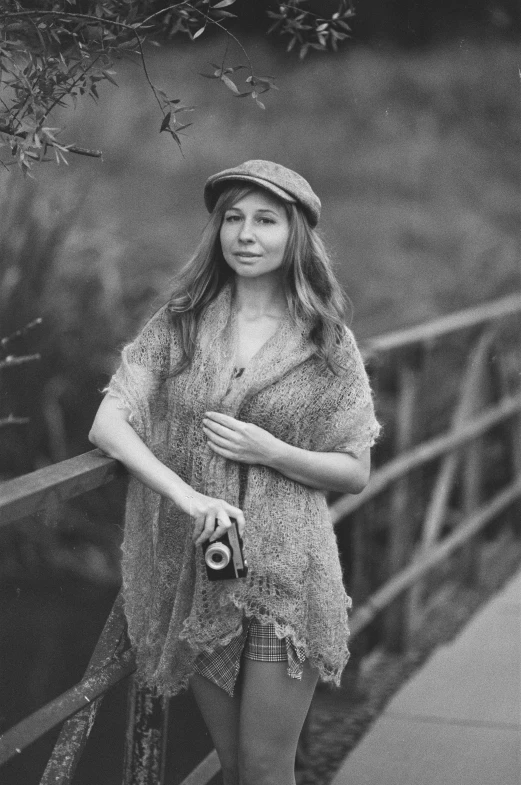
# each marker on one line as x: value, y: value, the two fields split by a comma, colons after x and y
x: 245, y: 256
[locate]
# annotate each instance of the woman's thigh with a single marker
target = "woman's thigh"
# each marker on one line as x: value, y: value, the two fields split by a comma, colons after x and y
x: 273, y: 709
x: 221, y: 715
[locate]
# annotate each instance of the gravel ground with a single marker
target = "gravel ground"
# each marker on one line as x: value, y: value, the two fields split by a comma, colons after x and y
x: 339, y: 718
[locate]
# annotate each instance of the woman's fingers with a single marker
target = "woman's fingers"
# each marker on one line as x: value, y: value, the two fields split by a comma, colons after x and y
x: 198, y: 528
x: 235, y: 512
x: 214, y: 527
x: 214, y: 438
x: 223, y: 452
x: 223, y: 523
x: 224, y: 419
x: 216, y: 428
x: 213, y: 519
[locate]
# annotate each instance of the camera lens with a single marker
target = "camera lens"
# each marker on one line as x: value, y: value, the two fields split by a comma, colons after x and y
x: 217, y: 556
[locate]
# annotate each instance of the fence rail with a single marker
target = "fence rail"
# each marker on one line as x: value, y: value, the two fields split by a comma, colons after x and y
x: 409, y: 559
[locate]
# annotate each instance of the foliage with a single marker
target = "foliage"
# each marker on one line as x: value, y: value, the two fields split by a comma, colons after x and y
x: 43, y: 404
x: 14, y: 360
x: 418, y: 171
x: 58, y: 52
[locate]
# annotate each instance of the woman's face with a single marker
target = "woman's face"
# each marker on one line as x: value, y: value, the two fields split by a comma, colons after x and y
x: 254, y: 233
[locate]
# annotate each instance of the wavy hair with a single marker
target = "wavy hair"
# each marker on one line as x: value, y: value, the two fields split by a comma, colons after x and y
x: 313, y: 294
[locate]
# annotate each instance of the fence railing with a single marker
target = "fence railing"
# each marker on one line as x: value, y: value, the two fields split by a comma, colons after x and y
x: 423, y: 521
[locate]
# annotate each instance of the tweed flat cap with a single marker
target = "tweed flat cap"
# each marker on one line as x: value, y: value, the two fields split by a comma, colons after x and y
x: 284, y: 183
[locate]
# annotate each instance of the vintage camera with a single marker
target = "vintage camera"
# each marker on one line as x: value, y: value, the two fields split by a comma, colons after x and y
x: 224, y: 558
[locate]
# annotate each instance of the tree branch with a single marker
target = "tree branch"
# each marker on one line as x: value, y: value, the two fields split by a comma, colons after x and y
x: 12, y: 361
x: 71, y: 148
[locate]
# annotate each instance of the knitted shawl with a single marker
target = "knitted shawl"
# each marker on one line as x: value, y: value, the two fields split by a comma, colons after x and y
x: 294, y: 582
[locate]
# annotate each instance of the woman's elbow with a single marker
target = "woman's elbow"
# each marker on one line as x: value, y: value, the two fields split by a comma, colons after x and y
x: 359, y: 474
x: 357, y: 483
x: 106, y: 428
x: 95, y: 436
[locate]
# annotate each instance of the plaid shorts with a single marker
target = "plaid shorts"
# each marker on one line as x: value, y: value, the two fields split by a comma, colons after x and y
x: 263, y: 645
x: 257, y: 642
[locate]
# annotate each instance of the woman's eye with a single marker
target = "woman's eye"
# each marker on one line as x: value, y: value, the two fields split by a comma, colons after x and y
x: 231, y: 218
x: 266, y: 220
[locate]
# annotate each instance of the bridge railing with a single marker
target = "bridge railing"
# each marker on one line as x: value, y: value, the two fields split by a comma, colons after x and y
x: 431, y: 495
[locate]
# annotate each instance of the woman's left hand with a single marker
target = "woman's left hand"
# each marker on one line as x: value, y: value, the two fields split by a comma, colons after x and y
x: 237, y: 440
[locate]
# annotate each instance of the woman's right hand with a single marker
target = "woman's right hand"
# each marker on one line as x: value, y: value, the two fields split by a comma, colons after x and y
x: 113, y: 434
x: 211, y: 517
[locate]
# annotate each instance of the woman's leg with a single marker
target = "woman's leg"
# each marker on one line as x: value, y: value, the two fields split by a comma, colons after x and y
x: 221, y: 714
x: 273, y: 709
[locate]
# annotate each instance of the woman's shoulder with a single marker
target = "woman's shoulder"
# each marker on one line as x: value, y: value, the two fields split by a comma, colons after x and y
x: 161, y: 326
x: 347, y: 353
x: 152, y: 346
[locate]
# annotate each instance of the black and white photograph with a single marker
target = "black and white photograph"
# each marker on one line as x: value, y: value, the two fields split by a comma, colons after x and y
x: 260, y: 392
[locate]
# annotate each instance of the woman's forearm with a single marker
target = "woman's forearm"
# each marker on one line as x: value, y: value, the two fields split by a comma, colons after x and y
x: 246, y: 442
x: 327, y: 471
x: 113, y: 434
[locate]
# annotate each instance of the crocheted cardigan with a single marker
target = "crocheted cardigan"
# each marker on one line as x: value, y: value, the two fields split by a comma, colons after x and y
x: 295, y: 582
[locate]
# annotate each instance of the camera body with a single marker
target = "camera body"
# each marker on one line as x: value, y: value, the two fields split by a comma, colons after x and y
x: 224, y: 558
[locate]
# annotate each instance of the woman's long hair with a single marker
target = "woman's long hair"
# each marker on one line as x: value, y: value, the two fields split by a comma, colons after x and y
x: 312, y: 291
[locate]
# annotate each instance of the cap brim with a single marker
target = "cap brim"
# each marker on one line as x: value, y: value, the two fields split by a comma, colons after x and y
x: 215, y: 187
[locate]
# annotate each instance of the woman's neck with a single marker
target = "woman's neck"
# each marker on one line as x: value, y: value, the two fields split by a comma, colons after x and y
x: 262, y: 296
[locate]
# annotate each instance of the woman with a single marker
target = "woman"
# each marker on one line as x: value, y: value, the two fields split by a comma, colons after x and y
x: 245, y: 398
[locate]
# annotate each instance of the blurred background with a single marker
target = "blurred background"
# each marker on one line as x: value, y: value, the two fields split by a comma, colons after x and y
x: 410, y: 135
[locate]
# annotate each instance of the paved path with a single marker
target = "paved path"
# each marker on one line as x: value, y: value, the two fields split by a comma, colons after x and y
x: 458, y: 720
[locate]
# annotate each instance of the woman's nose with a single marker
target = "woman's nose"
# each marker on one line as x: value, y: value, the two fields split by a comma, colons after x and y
x: 246, y: 232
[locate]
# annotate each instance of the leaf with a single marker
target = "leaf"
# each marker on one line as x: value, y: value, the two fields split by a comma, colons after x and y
x: 267, y: 81
x: 229, y: 84
x: 223, y: 15
x: 165, y: 125
x: 176, y: 138
x: 224, y: 4
x: 108, y: 75
x: 198, y: 32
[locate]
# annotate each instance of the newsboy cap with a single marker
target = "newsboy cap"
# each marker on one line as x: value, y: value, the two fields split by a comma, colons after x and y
x: 279, y: 180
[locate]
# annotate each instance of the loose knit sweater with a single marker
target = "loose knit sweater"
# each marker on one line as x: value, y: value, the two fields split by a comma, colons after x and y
x: 294, y: 582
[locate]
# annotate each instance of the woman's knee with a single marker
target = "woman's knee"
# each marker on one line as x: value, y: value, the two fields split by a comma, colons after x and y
x: 260, y: 765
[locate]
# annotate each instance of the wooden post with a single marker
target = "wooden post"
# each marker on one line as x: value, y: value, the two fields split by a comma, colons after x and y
x: 146, y: 740
x: 507, y: 372
x: 75, y: 731
x: 470, y: 401
x: 472, y: 487
x: 401, y: 523
x: 360, y: 589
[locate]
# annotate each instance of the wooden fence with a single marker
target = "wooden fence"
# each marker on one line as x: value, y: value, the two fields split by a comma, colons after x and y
x: 419, y: 516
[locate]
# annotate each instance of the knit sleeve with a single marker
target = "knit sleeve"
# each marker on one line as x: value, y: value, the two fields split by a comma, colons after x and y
x: 347, y: 408
x: 144, y: 365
